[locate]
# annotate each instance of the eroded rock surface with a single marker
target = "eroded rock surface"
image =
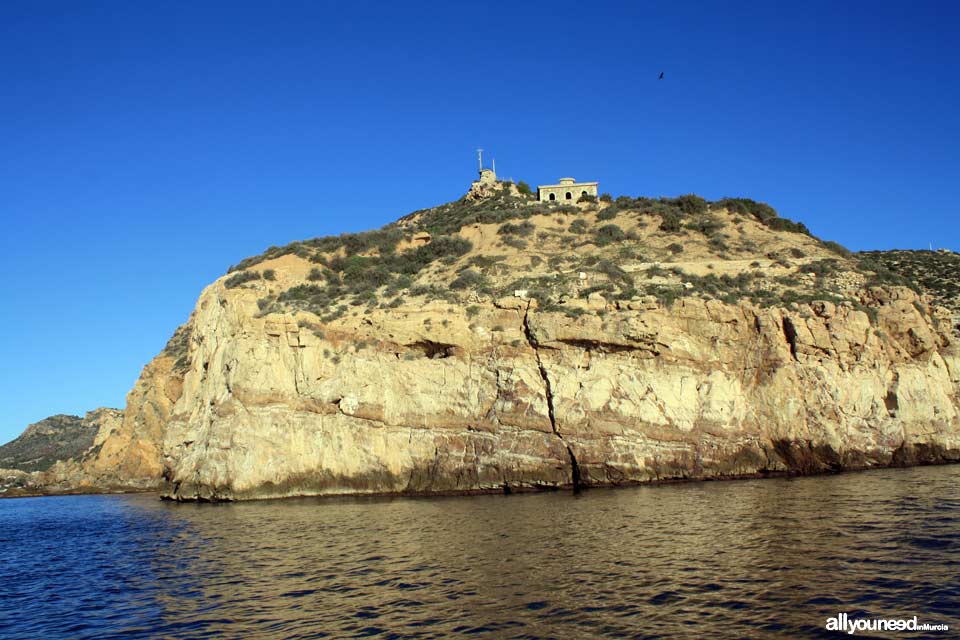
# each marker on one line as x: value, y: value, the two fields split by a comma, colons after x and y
x: 428, y: 399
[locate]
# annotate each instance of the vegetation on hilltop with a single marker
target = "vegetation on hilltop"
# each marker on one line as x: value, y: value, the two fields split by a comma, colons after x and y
x: 55, y: 438
x: 620, y: 241
x: 937, y: 273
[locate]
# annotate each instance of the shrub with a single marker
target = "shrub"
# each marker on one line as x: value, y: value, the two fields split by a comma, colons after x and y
x: 718, y: 243
x: 606, y: 197
x: 578, y: 226
x: 525, y: 228
x: 608, y: 234
x: 797, y: 253
x: 609, y: 213
x: 837, y: 248
x: 670, y: 223
x: 468, y: 279
x: 763, y: 212
x: 665, y: 294
x: 706, y: 224
x: 614, y: 272
x: 269, y: 274
x: 783, y: 224
x: 239, y: 278
x: 315, y: 274
x: 690, y: 204
x: 586, y: 197
x: 524, y: 188
x: 675, y: 247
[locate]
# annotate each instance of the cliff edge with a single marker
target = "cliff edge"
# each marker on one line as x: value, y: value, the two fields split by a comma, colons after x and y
x: 498, y: 343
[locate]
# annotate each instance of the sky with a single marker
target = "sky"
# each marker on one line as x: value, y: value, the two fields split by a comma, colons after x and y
x: 146, y: 147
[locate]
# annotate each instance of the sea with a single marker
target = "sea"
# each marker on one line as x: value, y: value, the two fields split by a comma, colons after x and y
x: 773, y: 558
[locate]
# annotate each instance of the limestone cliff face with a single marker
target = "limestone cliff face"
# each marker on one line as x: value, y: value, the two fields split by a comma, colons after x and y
x: 432, y: 398
x: 126, y: 451
x: 130, y: 455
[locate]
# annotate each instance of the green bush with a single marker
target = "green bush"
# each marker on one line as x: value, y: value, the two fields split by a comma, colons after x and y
x: 525, y: 228
x: 837, y: 248
x: 608, y: 234
x: 239, y: 278
x: 719, y: 244
x: 763, y: 212
x: 468, y: 279
x: 315, y: 274
x: 578, y: 226
x: 670, y: 223
x: 516, y: 243
x: 675, y: 247
x: 606, y: 197
x: 608, y: 213
x: 524, y: 188
x: 706, y: 224
x: 269, y: 274
x: 692, y: 205
x: 586, y: 197
x: 614, y: 273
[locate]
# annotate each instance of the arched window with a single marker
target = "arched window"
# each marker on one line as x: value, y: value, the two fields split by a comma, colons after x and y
x: 569, y: 196
x: 553, y: 196
x: 584, y: 193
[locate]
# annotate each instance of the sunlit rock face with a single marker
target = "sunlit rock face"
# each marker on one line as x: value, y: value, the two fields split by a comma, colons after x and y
x: 429, y: 399
x: 497, y: 343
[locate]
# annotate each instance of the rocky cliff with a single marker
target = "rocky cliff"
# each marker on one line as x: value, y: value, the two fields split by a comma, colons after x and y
x: 50, y: 455
x: 501, y: 344
x: 518, y: 398
x: 43, y: 443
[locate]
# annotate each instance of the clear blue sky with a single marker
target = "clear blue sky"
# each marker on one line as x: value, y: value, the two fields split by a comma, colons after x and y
x: 145, y: 147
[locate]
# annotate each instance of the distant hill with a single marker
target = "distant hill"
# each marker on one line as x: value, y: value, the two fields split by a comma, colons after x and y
x: 500, y: 343
x: 58, y: 437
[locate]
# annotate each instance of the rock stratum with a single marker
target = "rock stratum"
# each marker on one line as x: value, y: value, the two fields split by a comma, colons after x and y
x: 498, y: 344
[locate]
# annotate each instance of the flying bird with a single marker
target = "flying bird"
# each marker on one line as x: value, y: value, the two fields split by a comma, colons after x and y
x: 661, y: 76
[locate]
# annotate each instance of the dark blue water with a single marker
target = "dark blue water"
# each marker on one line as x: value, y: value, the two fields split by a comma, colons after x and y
x: 750, y: 559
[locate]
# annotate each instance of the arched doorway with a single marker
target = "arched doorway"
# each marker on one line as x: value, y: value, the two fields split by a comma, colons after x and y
x: 553, y: 196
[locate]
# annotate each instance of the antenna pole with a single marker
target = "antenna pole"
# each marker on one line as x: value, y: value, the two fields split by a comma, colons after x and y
x: 494, y: 165
x: 480, y: 158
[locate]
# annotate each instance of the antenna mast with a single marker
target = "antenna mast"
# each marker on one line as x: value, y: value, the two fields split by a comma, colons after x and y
x: 480, y: 158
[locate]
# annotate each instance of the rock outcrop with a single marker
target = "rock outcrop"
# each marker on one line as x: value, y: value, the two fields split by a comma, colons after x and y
x: 55, y: 438
x: 516, y: 398
x: 52, y: 456
x: 575, y: 346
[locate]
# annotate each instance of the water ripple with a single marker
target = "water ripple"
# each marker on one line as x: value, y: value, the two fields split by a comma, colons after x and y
x: 754, y: 559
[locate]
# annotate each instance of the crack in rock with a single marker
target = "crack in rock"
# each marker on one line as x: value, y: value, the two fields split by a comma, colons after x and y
x: 574, y: 466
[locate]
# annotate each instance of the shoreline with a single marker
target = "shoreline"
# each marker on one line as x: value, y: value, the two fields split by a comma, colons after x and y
x: 503, y: 490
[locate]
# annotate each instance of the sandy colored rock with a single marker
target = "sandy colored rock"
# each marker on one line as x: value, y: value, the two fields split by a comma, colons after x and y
x: 560, y: 359
x: 702, y: 389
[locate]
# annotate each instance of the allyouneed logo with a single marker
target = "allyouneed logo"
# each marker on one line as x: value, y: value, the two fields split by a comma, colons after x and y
x: 843, y: 622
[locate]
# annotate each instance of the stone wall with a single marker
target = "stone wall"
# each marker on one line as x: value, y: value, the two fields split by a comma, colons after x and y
x: 567, y: 192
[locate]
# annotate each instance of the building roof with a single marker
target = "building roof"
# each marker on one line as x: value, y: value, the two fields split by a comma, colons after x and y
x: 568, y: 184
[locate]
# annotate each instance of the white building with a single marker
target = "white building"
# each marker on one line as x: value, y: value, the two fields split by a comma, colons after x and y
x: 567, y: 190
